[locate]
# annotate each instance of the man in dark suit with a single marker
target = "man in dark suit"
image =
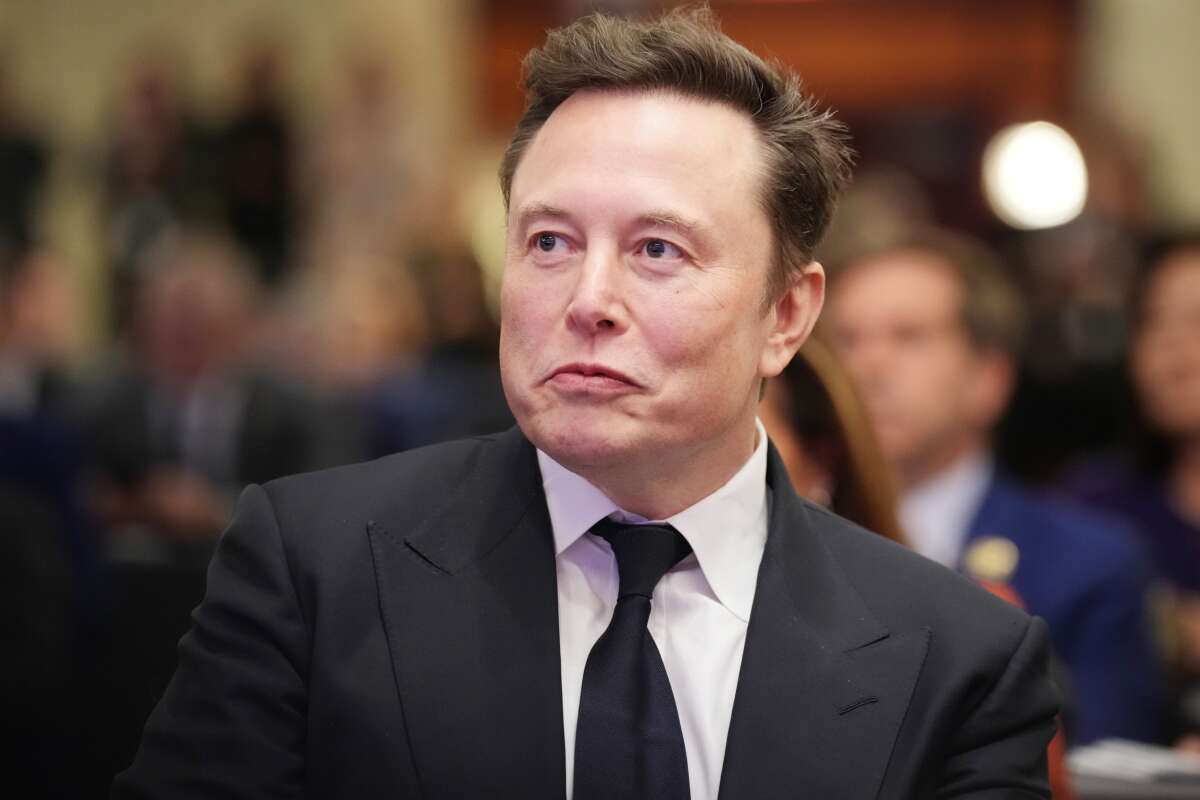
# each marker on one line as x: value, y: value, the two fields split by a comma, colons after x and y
x: 622, y: 597
x: 930, y: 326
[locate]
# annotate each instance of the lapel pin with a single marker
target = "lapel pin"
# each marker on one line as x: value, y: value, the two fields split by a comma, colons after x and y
x: 992, y: 558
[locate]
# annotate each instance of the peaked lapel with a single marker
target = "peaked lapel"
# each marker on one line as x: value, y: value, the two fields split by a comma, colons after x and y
x: 469, y: 606
x: 823, y: 686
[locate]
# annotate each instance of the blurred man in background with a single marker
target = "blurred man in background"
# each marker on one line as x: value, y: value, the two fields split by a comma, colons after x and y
x: 189, y: 419
x: 39, y: 317
x: 931, y: 327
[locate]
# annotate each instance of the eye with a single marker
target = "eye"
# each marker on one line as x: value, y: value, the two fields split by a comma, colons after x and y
x: 661, y: 249
x: 548, y: 242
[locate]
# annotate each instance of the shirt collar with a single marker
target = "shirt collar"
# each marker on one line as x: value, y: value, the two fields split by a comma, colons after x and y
x: 727, y: 529
x: 937, y: 514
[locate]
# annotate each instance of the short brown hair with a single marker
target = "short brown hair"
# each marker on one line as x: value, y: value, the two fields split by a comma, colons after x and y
x: 993, y: 311
x: 685, y: 52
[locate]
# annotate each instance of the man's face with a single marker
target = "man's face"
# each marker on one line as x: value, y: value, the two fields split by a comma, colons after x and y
x: 896, y: 321
x: 633, y: 321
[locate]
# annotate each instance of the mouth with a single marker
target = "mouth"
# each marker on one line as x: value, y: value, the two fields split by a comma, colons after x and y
x: 590, y: 378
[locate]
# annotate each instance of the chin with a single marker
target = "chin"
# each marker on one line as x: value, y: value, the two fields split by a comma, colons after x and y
x: 578, y: 444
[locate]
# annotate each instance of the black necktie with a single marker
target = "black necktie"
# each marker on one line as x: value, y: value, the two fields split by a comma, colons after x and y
x: 628, y: 742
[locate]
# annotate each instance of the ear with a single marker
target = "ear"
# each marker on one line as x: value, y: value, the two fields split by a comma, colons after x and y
x: 792, y: 318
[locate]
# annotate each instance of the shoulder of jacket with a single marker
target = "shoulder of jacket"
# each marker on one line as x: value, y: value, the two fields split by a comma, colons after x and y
x: 362, y: 491
x: 906, y: 589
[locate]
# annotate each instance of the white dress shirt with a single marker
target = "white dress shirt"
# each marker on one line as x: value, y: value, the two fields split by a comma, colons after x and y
x: 936, y: 516
x: 699, y: 611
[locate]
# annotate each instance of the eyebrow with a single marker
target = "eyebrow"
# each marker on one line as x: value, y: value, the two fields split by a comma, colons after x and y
x: 538, y: 211
x: 668, y: 219
x: 699, y: 234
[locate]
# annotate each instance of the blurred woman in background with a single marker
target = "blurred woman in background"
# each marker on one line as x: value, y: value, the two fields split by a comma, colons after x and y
x: 1158, y: 487
x: 817, y: 421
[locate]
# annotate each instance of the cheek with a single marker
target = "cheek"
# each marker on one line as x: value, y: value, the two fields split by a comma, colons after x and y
x: 918, y: 395
x: 706, y: 348
x: 710, y: 376
x: 518, y: 350
x: 1160, y: 396
x: 934, y: 375
x: 526, y: 309
x: 1147, y: 367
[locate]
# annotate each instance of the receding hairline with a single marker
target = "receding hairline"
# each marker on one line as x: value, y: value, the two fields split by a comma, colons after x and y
x: 762, y: 173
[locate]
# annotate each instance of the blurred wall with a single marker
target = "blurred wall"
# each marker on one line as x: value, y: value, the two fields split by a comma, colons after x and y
x: 1140, y: 66
x: 70, y: 58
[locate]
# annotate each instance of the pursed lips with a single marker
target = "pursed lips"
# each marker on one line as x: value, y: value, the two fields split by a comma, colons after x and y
x: 590, y: 377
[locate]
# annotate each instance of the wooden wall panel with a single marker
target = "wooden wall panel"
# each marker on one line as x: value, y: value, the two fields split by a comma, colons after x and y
x: 1009, y: 60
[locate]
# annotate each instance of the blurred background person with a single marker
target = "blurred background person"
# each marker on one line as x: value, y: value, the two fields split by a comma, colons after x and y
x: 38, y: 334
x: 186, y: 418
x: 175, y: 423
x: 24, y: 167
x: 362, y: 172
x: 256, y: 161
x: 930, y: 327
x: 340, y: 327
x: 452, y: 388
x: 157, y: 174
x: 1157, y: 486
x: 53, y: 602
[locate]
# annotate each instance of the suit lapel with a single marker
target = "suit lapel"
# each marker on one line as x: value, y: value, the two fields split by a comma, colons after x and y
x: 468, y: 601
x: 469, y: 606
x: 999, y: 514
x: 823, y: 686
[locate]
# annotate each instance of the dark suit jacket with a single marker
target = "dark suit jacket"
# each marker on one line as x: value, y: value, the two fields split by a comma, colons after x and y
x: 1091, y: 582
x: 390, y: 629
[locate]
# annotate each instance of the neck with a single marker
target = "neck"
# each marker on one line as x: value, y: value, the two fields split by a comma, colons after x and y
x: 914, y: 472
x: 662, y: 486
x: 1184, y: 480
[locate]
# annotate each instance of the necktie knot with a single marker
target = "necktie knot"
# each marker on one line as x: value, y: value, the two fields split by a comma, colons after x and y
x: 644, y: 553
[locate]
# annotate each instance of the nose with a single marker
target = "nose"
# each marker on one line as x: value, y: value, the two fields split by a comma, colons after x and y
x: 597, y: 304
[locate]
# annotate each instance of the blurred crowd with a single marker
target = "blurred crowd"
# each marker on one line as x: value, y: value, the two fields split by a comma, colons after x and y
x: 275, y: 304
x: 1022, y: 407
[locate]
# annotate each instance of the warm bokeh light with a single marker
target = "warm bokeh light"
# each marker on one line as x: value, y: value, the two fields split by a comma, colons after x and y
x: 1034, y: 176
